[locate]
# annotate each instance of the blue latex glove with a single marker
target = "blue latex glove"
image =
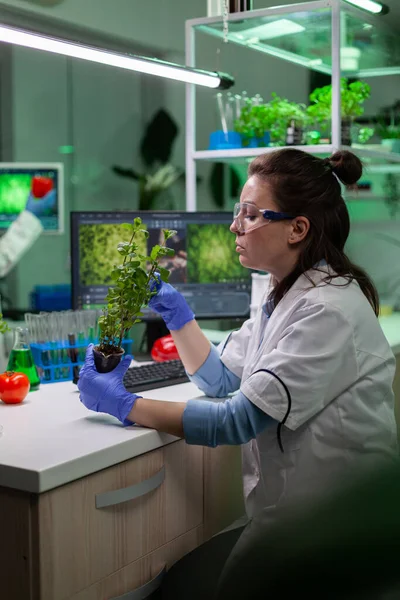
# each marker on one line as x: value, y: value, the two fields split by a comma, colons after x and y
x: 105, y: 392
x: 171, y: 305
x: 41, y: 207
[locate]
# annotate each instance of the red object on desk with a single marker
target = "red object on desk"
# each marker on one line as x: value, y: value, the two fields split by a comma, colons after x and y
x: 164, y: 349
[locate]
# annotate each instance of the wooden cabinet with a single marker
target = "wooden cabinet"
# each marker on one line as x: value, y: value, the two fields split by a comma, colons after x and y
x: 112, y: 532
x: 82, y: 541
x: 139, y: 577
x: 223, y: 488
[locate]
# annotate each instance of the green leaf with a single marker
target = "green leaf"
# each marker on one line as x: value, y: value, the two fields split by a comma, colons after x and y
x: 164, y: 251
x: 155, y: 252
x: 168, y: 233
x: 127, y: 226
x: 123, y: 248
x: 164, y: 274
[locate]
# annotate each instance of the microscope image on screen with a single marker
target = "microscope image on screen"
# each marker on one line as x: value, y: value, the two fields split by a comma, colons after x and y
x: 211, y: 255
x: 177, y: 264
x: 98, y: 251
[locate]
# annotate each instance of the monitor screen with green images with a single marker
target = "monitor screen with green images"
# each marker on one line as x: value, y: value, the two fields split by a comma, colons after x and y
x: 37, y: 187
x: 205, y: 267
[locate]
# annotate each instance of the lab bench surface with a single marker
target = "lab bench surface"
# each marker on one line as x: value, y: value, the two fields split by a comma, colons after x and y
x: 92, y: 510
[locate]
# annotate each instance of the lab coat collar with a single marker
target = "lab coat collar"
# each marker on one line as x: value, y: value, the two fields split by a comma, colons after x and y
x: 317, y: 274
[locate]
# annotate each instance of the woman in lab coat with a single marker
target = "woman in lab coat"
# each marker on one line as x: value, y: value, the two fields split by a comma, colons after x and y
x: 311, y: 374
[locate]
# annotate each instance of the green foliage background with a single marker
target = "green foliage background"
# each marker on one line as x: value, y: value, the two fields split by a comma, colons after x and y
x: 212, y: 257
x: 98, y: 251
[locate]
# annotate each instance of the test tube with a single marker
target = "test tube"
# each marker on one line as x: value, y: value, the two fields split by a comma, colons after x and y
x: 91, y: 326
x: 230, y: 111
x: 221, y: 110
x: 72, y: 336
x: 238, y: 106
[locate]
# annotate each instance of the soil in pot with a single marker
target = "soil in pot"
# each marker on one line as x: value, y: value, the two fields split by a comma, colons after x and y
x: 106, y: 364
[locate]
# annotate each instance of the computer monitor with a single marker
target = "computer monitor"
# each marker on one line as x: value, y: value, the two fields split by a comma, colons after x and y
x: 38, y: 185
x: 205, y: 268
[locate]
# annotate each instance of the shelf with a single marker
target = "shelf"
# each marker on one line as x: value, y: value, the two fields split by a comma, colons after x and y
x: 302, y: 34
x: 363, y: 197
x: 247, y: 154
x: 390, y: 160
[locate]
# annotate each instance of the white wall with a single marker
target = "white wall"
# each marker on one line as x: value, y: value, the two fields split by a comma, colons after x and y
x: 154, y: 23
x: 97, y: 110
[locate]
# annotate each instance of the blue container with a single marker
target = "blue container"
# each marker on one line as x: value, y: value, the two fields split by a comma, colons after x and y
x: 225, y: 141
x: 62, y: 362
x: 258, y: 142
x: 51, y: 297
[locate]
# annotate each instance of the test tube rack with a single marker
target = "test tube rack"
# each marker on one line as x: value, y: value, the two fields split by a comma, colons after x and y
x: 58, y: 362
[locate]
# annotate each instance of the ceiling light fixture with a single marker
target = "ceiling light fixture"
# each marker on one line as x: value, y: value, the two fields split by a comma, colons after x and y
x: 149, y: 66
x: 377, y: 8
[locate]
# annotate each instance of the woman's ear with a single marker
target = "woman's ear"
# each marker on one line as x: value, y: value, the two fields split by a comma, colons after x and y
x: 300, y: 226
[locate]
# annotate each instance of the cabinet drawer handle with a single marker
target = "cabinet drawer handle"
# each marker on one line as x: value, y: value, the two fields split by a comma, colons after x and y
x: 131, y: 492
x: 146, y: 590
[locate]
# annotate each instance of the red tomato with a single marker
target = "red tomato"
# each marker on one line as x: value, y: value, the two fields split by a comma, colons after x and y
x: 14, y: 387
x: 41, y: 186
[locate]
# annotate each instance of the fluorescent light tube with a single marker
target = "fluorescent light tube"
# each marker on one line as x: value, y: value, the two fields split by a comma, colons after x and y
x: 150, y: 66
x: 271, y: 30
x: 370, y: 5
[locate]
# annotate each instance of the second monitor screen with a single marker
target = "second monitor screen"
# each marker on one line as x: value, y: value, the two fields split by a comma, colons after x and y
x: 204, y: 253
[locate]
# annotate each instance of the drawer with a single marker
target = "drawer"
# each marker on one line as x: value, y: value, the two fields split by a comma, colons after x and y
x: 92, y: 527
x: 140, y: 578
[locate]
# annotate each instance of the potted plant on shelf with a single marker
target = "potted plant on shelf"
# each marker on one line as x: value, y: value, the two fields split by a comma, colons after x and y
x: 261, y: 124
x: 290, y: 119
x: 353, y: 95
x: 132, y: 291
x: 254, y: 125
x: 390, y: 136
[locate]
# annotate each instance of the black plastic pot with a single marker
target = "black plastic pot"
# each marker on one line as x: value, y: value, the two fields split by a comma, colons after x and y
x: 346, y: 132
x: 240, y: 5
x: 294, y: 135
x: 106, y: 364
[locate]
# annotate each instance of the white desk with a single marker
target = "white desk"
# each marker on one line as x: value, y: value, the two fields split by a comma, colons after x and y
x: 51, y: 438
x: 91, y: 510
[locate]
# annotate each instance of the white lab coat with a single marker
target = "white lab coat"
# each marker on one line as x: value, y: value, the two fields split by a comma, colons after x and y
x: 18, y: 238
x: 326, y: 345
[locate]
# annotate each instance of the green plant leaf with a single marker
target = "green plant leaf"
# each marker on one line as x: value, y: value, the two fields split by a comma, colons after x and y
x: 168, y: 233
x: 131, y: 286
x: 155, y: 252
x: 164, y: 274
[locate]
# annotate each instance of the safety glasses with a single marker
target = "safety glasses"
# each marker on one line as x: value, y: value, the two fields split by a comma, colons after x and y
x: 248, y: 217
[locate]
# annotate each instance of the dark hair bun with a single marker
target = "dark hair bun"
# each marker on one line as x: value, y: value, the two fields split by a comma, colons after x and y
x: 346, y: 166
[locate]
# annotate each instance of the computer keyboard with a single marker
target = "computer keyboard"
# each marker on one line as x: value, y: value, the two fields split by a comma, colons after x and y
x: 150, y: 376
